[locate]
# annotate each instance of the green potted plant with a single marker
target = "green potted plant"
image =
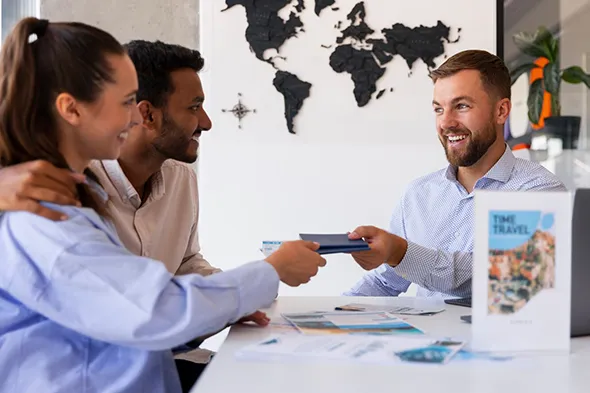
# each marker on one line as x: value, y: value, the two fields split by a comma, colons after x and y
x: 543, y: 43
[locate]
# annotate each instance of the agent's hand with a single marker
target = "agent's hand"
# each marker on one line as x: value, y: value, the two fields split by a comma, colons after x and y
x: 385, y: 247
x: 23, y: 186
x: 259, y: 318
x: 296, y: 262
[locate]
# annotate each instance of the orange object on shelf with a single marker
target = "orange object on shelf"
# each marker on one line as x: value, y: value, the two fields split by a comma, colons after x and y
x: 521, y: 146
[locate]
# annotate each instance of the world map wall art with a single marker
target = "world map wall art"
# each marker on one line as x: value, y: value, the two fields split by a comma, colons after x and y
x: 361, y: 52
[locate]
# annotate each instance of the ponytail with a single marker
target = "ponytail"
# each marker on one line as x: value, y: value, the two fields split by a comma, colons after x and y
x: 18, y: 87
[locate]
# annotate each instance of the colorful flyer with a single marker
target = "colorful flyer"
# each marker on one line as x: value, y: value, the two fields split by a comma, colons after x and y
x: 522, y: 271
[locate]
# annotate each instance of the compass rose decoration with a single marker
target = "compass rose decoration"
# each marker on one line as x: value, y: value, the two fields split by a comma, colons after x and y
x: 239, y: 110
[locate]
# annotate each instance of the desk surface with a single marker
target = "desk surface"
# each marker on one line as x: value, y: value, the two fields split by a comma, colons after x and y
x: 538, y: 373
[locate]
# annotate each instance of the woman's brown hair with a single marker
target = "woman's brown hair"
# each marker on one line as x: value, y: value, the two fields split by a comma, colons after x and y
x: 39, y: 61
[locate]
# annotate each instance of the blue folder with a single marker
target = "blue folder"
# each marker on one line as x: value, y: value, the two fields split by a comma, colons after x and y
x: 335, y: 243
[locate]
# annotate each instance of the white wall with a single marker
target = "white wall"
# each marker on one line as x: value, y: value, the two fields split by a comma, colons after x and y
x: 347, y: 166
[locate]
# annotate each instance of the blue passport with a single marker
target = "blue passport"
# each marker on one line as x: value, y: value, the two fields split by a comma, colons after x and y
x: 335, y: 243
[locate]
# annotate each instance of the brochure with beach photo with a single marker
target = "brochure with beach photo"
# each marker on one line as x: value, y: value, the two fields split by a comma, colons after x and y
x: 353, y: 322
x: 522, y: 271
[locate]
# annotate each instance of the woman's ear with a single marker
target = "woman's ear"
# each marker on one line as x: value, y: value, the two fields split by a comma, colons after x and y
x: 68, y: 108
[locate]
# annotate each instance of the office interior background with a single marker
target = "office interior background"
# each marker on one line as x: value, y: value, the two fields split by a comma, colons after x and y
x: 252, y: 191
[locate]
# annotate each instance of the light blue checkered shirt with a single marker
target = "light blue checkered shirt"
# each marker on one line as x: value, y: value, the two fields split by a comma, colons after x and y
x: 436, y: 217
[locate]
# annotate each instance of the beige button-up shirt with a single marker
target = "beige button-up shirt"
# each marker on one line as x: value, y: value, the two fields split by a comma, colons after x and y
x: 164, y: 227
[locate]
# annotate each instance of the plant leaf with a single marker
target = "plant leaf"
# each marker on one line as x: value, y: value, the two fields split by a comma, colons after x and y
x: 535, y: 101
x: 575, y: 75
x: 554, y: 48
x: 535, y: 45
x: 544, y: 38
x: 552, y: 78
x: 521, y: 69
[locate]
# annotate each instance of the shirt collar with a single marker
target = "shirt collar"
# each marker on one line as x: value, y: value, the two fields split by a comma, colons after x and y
x: 124, y: 187
x: 501, y: 171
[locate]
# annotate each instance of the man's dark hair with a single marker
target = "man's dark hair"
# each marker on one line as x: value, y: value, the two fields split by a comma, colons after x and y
x: 494, y: 74
x: 154, y: 61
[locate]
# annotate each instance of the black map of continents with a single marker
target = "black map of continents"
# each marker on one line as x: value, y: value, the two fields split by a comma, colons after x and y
x: 360, y: 50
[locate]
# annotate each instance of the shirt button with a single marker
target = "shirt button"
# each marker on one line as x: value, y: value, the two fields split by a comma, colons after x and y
x: 456, y: 234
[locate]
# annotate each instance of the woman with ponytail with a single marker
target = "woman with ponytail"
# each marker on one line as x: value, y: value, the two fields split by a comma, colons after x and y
x: 78, y: 312
x: 51, y: 90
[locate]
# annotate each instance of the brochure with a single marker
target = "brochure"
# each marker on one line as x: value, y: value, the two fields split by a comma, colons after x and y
x: 351, y: 322
x: 360, y: 349
x: 522, y: 271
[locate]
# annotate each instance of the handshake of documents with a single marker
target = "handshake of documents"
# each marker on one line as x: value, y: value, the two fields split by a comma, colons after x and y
x: 329, y: 244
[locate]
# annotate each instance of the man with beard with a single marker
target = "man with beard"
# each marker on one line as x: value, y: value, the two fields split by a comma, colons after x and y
x: 153, y: 196
x: 430, y: 238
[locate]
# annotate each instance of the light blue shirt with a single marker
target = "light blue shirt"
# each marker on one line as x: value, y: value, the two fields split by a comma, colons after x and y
x: 436, y: 217
x: 79, y: 313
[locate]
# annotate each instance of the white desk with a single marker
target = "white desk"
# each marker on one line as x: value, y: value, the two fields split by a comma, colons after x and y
x: 538, y: 374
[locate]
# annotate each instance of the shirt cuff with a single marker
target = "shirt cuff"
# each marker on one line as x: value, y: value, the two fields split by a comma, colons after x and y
x: 417, y: 265
x: 382, y: 281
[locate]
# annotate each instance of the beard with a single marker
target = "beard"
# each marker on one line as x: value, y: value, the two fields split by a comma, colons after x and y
x: 476, y: 147
x: 173, y: 142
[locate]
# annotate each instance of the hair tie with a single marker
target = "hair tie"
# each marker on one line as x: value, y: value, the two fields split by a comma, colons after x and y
x: 41, y: 27
x: 39, y: 30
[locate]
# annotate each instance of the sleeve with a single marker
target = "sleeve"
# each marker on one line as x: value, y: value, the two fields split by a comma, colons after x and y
x: 193, y: 261
x: 384, y: 281
x: 97, y: 288
x: 435, y: 270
